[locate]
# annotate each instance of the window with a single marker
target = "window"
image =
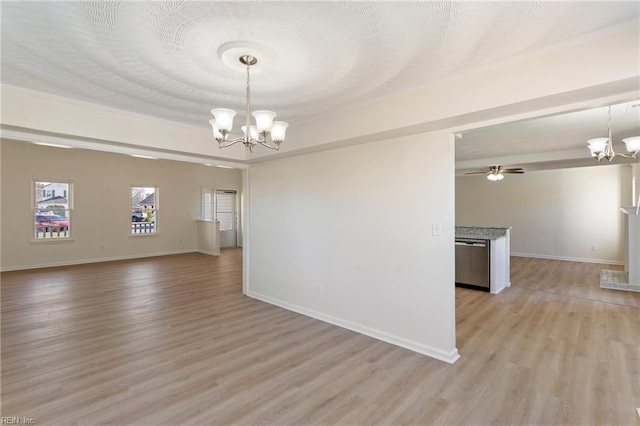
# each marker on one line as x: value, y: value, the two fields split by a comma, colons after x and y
x: 207, y: 204
x: 220, y: 204
x: 51, y: 213
x: 144, y: 210
x: 225, y: 209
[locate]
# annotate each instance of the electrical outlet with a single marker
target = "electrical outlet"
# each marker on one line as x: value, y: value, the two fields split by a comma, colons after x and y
x: 594, y: 247
x: 319, y: 290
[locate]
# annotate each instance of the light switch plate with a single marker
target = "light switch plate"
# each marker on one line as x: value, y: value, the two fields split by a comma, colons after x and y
x: 436, y: 229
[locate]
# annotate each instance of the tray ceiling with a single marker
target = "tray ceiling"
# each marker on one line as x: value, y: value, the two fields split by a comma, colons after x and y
x: 160, y: 58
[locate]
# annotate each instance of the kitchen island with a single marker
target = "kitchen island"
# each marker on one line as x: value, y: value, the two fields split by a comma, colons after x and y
x: 497, y: 239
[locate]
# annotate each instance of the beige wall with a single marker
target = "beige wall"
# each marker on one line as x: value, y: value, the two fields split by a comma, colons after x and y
x: 557, y: 214
x: 101, y: 217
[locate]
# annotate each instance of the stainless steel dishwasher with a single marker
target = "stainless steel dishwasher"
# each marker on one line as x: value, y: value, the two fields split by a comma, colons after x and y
x: 473, y: 263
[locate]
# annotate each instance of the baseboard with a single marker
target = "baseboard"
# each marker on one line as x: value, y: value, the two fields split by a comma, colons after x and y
x: 568, y: 259
x: 420, y: 348
x: 210, y: 253
x: 99, y: 260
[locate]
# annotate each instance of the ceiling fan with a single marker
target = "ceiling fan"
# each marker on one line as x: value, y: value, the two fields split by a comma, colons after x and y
x: 495, y: 173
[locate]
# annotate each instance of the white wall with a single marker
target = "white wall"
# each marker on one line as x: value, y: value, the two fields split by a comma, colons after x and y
x: 556, y: 214
x: 358, y: 222
x: 102, y: 198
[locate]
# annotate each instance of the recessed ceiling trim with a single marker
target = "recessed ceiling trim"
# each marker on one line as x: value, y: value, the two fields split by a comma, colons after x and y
x: 525, y: 159
x: 53, y: 145
x: 24, y: 135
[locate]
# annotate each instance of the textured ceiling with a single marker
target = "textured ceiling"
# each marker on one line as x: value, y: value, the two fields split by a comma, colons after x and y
x: 160, y: 58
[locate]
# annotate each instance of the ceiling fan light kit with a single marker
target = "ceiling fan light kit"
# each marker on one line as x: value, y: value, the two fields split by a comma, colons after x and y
x: 602, y: 148
x: 257, y: 134
x: 496, y: 173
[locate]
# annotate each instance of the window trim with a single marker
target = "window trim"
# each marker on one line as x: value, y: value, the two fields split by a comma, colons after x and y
x: 70, y: 209
x: 211, y: 191
x: 236, y: 209
x: 156, y: 210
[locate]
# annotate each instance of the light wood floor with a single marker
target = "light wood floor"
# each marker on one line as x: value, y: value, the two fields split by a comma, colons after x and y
x: 172, y: 340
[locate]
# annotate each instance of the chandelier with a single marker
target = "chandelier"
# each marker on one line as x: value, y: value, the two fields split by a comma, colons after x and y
x: 253, y: 135
x: 603, y: 147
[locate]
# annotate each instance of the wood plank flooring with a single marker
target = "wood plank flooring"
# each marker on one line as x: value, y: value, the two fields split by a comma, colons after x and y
x: 172, y: 340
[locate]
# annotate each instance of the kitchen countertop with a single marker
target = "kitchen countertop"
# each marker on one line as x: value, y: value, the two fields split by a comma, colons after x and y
x: 482, y: 232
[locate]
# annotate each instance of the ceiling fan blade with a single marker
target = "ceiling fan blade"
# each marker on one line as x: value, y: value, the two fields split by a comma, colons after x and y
x: 477, y: 173
x: 513, y: 171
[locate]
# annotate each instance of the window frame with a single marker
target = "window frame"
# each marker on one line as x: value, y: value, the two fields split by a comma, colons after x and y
x: 69, y: 210
x: 155, y: 210
x: 234, y: 218
x: 211, y: 204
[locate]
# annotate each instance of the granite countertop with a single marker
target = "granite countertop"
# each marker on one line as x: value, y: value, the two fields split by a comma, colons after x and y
x: 482, y: 232
x: 632, y: 211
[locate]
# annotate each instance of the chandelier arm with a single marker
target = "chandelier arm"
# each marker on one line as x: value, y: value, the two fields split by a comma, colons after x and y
x: 227, y: 143
x: 634, y: 155
x: 266, y: 144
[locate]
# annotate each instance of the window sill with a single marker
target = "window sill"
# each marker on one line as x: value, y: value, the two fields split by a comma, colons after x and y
x: 52, y: 241
x: 149, y: 234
